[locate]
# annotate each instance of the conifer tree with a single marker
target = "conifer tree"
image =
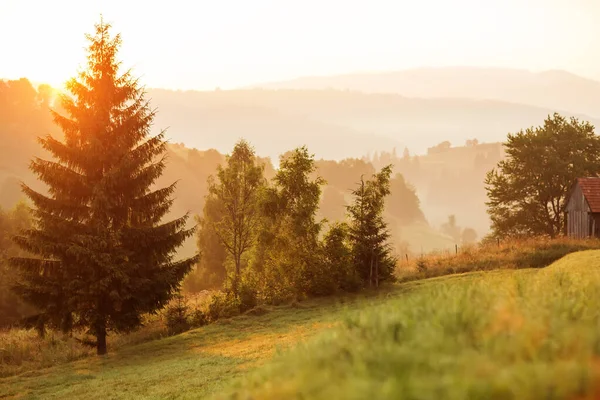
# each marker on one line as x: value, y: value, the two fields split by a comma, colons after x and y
x: 103, y: 254
x: 368, y: 230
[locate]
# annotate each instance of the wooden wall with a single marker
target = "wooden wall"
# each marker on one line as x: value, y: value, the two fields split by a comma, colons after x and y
x: 579, y: 222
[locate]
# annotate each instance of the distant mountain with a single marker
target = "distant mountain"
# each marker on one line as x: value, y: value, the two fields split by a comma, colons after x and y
x: 335, y: 124
x: 206, y: 120
x: 555, y: 90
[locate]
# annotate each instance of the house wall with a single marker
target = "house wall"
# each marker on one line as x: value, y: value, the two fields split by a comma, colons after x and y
x: 579, y: 221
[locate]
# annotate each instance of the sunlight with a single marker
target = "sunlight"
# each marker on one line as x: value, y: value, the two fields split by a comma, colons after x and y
x: 299, y: 199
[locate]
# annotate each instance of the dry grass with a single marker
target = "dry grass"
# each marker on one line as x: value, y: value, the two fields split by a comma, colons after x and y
x: 513, y: 254
x: 22, y: 350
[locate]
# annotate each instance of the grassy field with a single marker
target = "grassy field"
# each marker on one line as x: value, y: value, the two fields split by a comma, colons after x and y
x: 187, y: 366
x: 525, y: 334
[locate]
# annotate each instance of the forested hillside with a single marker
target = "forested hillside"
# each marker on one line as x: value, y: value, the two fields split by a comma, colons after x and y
x: 415, y: 220
x: 336, y: 124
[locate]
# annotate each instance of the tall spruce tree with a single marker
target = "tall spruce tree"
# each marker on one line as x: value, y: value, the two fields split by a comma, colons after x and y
x: 102, y: 254
x: 368, y: 230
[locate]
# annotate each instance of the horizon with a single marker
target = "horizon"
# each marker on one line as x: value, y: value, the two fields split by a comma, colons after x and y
x: 192, y: 51
x: 259, y: 85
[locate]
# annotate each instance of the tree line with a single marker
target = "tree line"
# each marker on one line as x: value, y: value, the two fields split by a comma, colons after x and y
x: 99, y: 253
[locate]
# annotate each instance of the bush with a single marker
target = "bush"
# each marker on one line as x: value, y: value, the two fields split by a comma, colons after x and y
x: 421, y: 265
x: 198, y: 318
x: 176, y: 315
x: 248, y: 297
x: 223, y: 305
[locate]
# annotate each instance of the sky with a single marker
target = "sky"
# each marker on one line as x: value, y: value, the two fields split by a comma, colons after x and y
x: 205, y: 44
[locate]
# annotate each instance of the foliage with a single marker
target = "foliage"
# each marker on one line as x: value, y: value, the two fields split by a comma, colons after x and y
x: 402, y: 202
x: 527, y: 190
x: 286, y: 257
x: 337, y: 272
x: 211, y: 271
x: 223, y: 305
x: 102, y: 256
x: 177, y: 315
x: 422, y: 265
x: 369, y: 235
x: 235, y: 196
x: 198, y: 318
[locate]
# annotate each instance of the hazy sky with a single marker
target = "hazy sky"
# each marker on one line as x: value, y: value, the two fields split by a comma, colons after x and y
x: 208, y: 43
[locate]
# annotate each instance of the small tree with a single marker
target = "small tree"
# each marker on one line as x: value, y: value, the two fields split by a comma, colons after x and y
x: 527, y: 190
x: 337, y: 271
x: 211, y: 271
x: 102, y: 255
x: 236, y: 195
x: 368, y: 230
x: 451, y: 229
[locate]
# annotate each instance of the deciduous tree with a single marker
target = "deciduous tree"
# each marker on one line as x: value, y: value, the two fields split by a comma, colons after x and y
x: 527, y: 190
x: 235, y: 196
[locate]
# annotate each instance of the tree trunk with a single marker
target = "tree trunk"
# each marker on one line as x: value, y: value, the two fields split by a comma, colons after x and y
x: 236, y: 279
x: 377, y: 273
x: 371, y: 272
x: 101, y: 339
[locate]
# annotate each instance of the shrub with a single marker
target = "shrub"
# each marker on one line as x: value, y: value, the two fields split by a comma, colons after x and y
x: 176, y: 315
x: 422, y: 265
x: 248, y: 297
x: 198, y: 318
x: 223, y: 305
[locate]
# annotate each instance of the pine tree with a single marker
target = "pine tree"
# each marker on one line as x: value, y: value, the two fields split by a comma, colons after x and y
x: 103, y: 256
x: 368, y: 230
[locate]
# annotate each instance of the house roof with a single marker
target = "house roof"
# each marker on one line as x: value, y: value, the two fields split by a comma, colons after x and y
x: 591, y: 191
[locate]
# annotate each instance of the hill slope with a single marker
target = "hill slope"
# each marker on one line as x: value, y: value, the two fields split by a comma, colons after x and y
x: 511, y: 335
x: 335, y: 124
x: 508, y: 334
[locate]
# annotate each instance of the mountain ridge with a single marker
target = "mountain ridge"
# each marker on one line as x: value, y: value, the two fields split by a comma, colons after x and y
x: 555, y: 89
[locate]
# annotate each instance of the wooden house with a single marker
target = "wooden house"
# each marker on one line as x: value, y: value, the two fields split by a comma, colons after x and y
x: 582, y: 209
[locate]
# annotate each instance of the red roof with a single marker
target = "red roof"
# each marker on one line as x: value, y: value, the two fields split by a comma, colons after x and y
x: 591, y: 191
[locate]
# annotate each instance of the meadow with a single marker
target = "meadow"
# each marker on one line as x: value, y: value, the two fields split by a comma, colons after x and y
x: 525, y: 334
x: 501, y: 334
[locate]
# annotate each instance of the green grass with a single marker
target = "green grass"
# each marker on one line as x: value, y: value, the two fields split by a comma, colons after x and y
x: 525, y: 334
x: 187, y: 366
x: 508, y: 334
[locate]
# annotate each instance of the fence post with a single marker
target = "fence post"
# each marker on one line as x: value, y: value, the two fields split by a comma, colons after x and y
x: 456, y: 248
